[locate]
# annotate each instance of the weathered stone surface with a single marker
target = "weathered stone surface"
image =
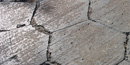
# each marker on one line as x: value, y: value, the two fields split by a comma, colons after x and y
x: 113, y: 13
x: 88, y: 43
x: 12, y: 14
x: 125, y: 63
x: 57, y: 14
x: 26, y: 44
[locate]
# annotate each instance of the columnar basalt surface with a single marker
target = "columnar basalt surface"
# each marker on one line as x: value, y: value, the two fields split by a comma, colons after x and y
x: 65, y: 32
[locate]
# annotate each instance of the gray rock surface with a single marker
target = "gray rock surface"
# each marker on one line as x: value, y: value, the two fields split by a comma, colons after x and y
x: 125, y: 63
x: 57, y: 14
x: 26, y: 44
x: 87, y: 44
x: 113, y: 13
x: 12, y: 14
x: 65, y: 32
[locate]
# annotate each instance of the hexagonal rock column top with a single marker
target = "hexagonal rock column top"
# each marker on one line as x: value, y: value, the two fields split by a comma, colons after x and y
x: 87, y: 43
x: 57, y: 14
x: 12, y: 14
x: 113, y: 13
x: 23, y: 46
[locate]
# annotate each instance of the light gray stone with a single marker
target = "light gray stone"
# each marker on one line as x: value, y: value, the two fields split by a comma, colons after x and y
x: 26, y: 43
x: 57, y: 14
x: 113, y: 13
x: 12, y: 14
x: 87, y: 43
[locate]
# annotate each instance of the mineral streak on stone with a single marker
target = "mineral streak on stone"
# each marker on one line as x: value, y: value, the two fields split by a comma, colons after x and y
x: 28, y: 44
x: 87, y: 44
x: 12, y: 14
x: 57, y: 14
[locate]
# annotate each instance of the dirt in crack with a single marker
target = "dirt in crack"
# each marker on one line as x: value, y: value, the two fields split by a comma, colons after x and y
x: 90, y: 12
x: 126, y: 45
x: 42, y: 29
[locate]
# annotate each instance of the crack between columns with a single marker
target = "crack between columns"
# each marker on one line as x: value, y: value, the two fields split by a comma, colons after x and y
x: 90, y: 12
x: 126, y: 33
x: 48, y: 53
x: 42, y: 29
x: 125, y: 47
x: 89, y: 18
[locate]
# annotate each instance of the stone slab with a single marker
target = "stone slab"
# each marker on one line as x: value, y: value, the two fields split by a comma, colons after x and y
x: 12, y: 14
x: 26, y: 43
x: 57, y: 14
x: 87, y: 43
x: 113, y: 13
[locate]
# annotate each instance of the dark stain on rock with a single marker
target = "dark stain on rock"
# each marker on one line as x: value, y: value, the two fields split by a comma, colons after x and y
x: 47, y: 8
x: 20, y: 25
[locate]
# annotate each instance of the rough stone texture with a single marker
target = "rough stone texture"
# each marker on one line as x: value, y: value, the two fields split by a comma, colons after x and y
x: 88, y: 44
x: 28, y: 44
x: 113, y: 13
x: 57, y: 14
x: 12, y: 14
x: 94, y: 32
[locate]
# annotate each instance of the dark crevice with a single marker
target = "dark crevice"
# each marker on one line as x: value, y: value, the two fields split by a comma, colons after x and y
x: 89, y: 18
x: 48, y: 53
x: 125, y: 47
x: 90, y: 12
x: 42, y: 29
x: 4, y: 30
x: 14, y: 57
x: 35, y: 9
x: 20, y: 25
